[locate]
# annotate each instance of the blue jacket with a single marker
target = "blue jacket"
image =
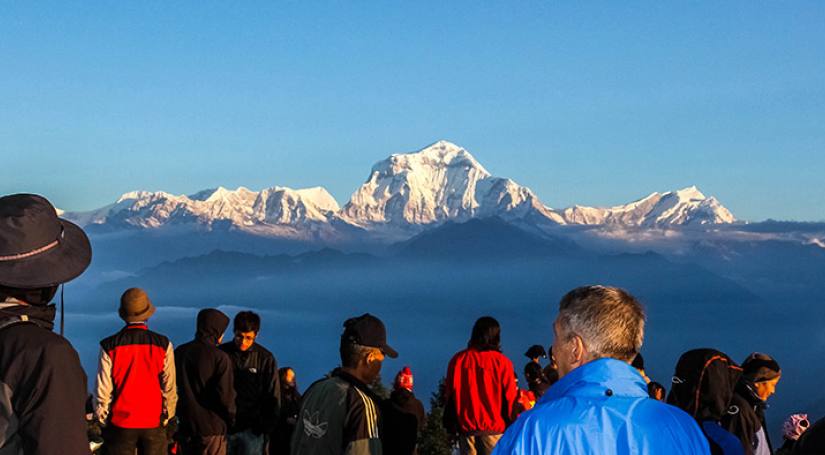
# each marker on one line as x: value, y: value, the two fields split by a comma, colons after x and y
x: 602, y: 408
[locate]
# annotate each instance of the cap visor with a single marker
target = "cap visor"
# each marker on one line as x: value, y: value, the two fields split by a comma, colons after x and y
x: 389, y: 352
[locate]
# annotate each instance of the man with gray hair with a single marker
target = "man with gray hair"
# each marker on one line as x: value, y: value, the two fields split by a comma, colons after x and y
x: 600, y: 405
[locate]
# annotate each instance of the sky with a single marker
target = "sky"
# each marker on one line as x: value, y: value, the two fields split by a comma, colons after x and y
x: 596, y: 103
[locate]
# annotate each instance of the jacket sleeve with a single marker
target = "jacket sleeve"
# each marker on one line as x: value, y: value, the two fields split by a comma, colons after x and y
x: 361, y: 436
x: 103, y: 387
x: 168, y: 383
x: 272, y: 403
x: 510, y: 391
x: 225, y: 388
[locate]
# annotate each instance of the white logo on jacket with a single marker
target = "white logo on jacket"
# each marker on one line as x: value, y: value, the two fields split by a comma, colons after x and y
x: 312, y: 426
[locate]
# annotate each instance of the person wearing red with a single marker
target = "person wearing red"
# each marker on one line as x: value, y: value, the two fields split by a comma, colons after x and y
x: 136, y: 394
x: 480, y: 390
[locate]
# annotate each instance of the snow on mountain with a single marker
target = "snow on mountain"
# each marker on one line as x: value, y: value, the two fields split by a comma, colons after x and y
x: 684, y: 207
x: 241, y: 208
x: 438, y: 183
x: 402, y: 195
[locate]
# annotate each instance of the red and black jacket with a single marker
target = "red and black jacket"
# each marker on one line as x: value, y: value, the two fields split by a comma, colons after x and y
x: 136, y: 379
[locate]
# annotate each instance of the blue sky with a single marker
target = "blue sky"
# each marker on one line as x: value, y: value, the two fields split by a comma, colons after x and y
x: 597, y: 103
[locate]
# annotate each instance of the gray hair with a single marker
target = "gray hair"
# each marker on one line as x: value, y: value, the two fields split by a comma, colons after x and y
x: 610, y: 321
x: 352, y: 353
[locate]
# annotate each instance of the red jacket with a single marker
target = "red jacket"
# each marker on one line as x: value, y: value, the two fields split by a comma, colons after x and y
x: 482, y: 387
x: 136, y: 379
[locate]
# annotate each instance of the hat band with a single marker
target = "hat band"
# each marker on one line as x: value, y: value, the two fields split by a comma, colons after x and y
x: 43, y: 249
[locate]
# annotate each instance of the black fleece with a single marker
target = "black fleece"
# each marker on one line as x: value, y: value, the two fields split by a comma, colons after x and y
x: 206, y: 395
x: 42, y: 386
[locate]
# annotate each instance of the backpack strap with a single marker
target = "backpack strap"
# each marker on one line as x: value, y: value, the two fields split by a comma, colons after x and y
x: 14, y: 320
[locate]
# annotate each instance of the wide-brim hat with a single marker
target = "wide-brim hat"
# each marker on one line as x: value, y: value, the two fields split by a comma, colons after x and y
x: 38, y: 249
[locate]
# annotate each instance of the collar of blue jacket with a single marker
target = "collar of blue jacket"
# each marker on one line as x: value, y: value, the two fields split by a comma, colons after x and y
x: 602, y: 377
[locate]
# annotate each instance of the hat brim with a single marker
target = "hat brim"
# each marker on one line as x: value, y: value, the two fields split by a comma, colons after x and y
x: 58, y: 265
x: 144, y: 316
x: 389, y: 352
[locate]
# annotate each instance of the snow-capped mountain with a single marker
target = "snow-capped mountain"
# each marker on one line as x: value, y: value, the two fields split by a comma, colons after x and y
x: 684, y: 207
x: 403, y: 195
x: 439, y: 183
x: 240, y: 208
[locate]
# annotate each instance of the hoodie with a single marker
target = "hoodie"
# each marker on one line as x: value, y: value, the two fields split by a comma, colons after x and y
x: 206, y: 405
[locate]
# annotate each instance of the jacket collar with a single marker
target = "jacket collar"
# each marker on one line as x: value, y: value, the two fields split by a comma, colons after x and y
x: 596, y: 378
x: 339, y: 373
x: 42, y: 315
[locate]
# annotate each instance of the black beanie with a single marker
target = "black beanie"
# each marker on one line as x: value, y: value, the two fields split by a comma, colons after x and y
x: 759, y: 367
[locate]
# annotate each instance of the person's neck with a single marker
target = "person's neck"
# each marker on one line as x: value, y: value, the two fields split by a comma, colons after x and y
x: 354, y: 372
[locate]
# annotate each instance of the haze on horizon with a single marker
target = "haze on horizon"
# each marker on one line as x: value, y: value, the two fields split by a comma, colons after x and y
x: 595, y: 104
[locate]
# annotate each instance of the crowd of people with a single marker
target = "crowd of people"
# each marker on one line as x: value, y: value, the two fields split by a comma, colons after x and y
x: 209, y: 397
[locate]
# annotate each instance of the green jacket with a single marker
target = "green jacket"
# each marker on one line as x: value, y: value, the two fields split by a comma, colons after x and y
x: 339, y: 416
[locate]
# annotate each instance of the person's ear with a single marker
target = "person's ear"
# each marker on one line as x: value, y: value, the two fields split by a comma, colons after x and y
x: 578, y: 351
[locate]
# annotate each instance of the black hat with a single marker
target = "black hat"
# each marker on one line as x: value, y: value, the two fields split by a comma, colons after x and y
x: 38, y: 249
x: 535, y: 351
x: 759, y: 367
x: 367, y: 330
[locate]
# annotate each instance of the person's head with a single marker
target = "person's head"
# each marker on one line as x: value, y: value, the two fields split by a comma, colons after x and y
x: 364, y: 346
x: 656, y: 391
x: 535, y: 352
x: 597, y: 322
x: 533, y: 373
x: 703, y: 384
x: 763, y: 372
x: 211, y: 325
x: 135, y: 306
x: 38, y: 250
x: 404, y: 380
x: 794, y: 426
x: 246, y: 327
x: 287, y: 376
x: 639, y: 364
x: 486, y: 335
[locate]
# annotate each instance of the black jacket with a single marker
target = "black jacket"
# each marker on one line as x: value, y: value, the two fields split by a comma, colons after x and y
x: 257, y: 387
x: 404, y: 418
x: 206, y: 395
x: 749, y: 419
x: 42, y: 386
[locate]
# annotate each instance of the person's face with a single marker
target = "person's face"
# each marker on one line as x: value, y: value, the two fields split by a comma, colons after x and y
x: 765, y: 389
x: 289, y: 377
x: 245, y: 340
x: 373, y: 365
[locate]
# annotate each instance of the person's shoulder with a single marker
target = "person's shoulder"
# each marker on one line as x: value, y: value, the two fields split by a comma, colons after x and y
x: 657, y: 414
x: 227, y: 347
x: 262, y: 351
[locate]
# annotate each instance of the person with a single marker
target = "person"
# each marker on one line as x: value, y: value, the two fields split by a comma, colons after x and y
x: 404, y: 416
x: 760, y: 375
x: 792, y: 428
x: 206, y: 401
x: 600, y: 404
x: 257, y: 387
x: 656, y: 391
x: 535, y: 353
x: 135, y: 391
x: 481, y: 391
x: 703, y: 387
x: 42, y: 385
x: 812, y: 440
x: 639, y: 364
x: 290, y: 407
x: 537, y: 384
x: 340, y: 414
